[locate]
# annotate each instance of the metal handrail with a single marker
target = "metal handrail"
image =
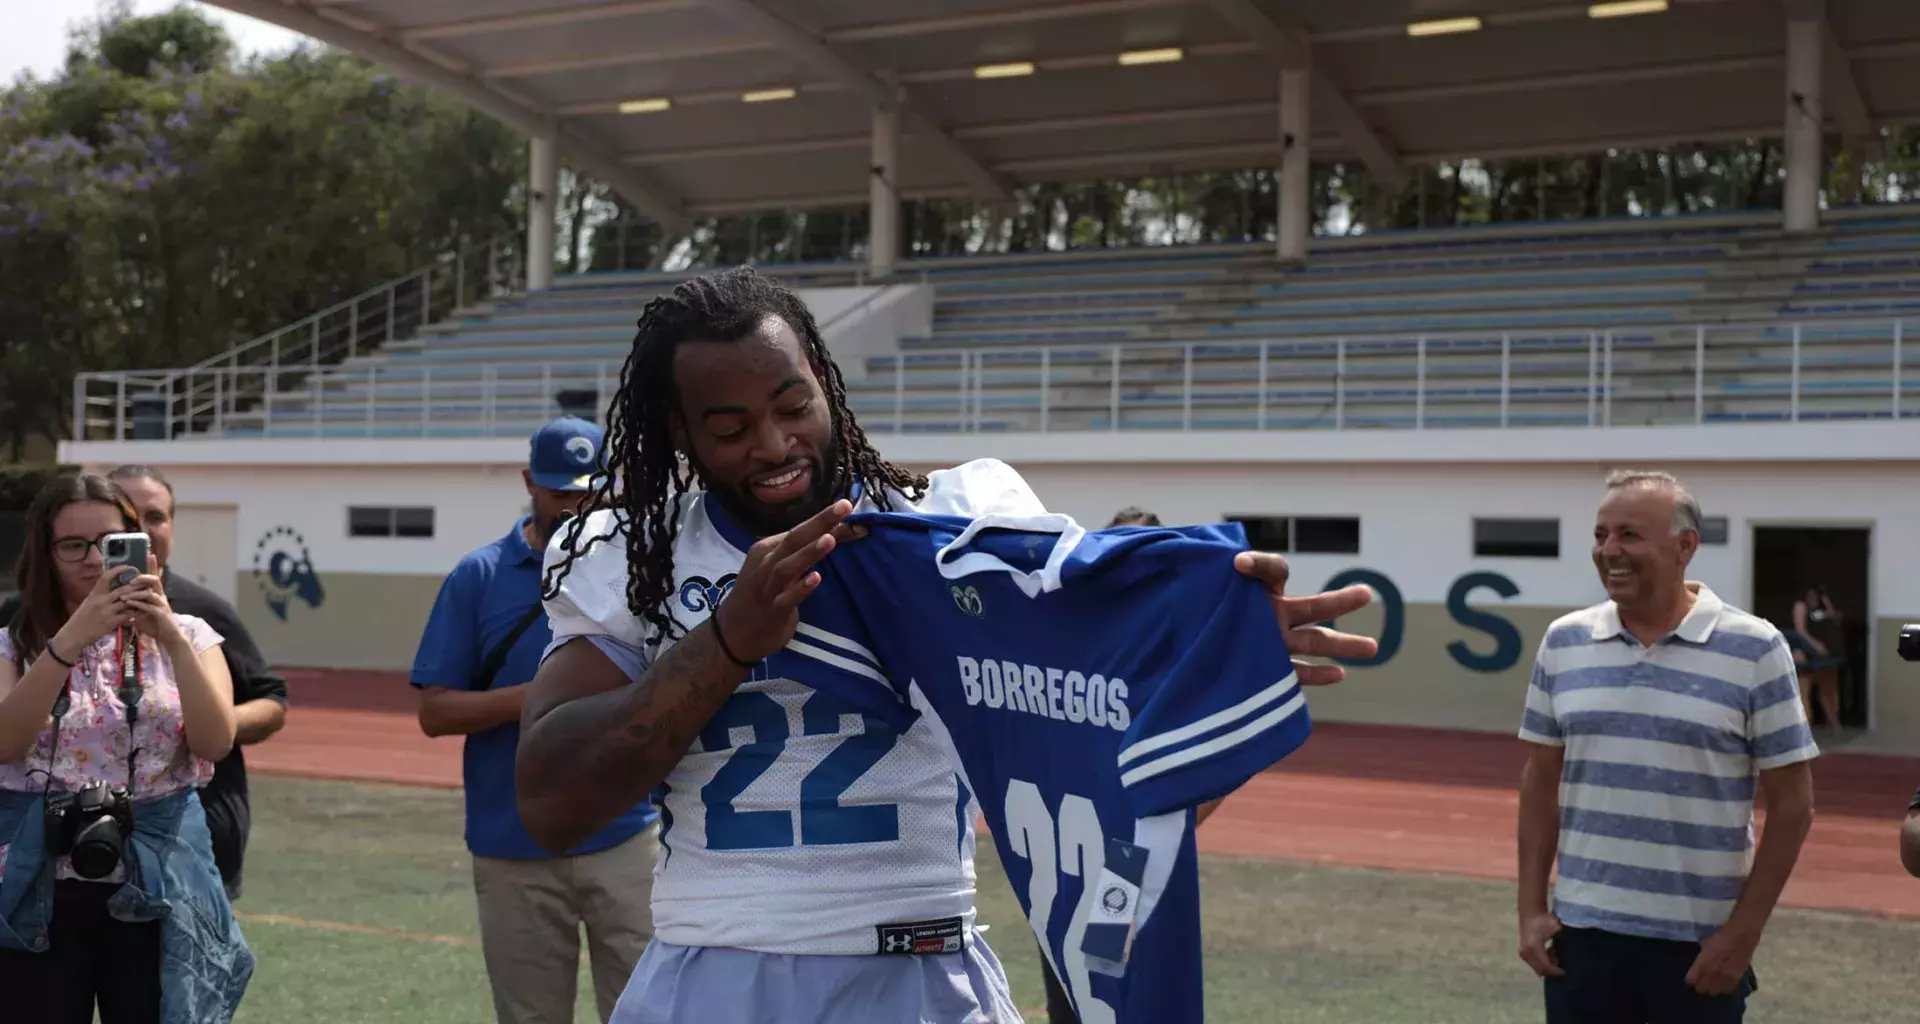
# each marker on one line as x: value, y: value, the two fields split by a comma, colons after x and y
x: 1667, y: 374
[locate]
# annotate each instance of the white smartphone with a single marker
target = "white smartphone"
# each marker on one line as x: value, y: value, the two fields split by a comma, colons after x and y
x: 121, y: 552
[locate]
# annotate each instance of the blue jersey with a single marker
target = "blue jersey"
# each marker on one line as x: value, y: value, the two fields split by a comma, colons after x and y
x: 1094, y: 688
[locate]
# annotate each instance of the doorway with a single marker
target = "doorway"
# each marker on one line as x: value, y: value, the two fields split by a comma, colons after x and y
x: 1787, y: 560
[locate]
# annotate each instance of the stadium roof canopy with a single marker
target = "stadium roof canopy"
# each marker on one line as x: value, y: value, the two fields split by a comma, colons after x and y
x: 691, y: 107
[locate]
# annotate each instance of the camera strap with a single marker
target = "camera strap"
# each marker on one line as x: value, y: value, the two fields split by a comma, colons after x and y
x: 127, y: 651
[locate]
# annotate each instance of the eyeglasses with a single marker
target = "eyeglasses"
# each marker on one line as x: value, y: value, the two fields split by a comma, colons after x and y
x: 74, y: 549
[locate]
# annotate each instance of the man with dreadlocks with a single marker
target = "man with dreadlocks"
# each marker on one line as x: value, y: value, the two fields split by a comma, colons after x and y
x: 817, y: 864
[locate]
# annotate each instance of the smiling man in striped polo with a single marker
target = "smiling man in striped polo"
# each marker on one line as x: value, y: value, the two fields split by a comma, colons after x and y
x: 1653, y: 714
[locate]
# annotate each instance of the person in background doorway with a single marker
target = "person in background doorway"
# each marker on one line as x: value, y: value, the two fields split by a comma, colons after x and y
x: 259, y: 693
x: 482, y: 644
x: 1652, y: 716
x: 1815, y: 641
x: 1133, y: 515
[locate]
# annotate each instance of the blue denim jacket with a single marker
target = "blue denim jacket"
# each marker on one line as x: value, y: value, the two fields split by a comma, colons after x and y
x: 205, y: 962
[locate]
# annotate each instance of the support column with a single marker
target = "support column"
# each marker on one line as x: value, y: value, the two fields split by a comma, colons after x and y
x: 1803, y: 125
x: 883, y: 194
x: 1296, y: 163
x: 543, y: 186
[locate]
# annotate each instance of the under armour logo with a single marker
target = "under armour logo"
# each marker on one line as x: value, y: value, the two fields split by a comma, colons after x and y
x: 967, y: 599
x: 899, y: 943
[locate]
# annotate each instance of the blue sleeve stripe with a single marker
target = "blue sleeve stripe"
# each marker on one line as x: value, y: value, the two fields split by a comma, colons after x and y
x: 834, y: 640
x: 1188, y: 755
x: 1244, y: 709
x: 826, y: 657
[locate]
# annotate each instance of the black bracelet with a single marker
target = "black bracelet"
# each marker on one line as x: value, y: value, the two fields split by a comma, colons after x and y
x: 714, y: 621
x: 55, y: 655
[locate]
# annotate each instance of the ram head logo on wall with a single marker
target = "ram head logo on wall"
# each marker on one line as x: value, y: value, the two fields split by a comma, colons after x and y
x: 284, y: 570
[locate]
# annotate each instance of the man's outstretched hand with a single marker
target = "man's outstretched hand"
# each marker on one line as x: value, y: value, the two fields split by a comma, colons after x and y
x: 1300, y: 617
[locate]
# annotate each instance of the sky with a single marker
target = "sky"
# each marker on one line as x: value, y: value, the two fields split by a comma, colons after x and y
x: 35, y: 35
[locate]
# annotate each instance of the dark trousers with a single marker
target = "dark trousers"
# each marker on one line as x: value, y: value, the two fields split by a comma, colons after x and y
x: 90, y: 957
x: 1626, y: 979
x: 1059, y: 1007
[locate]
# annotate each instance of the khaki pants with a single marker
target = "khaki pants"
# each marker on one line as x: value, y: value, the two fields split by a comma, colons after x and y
x: 530, y: 917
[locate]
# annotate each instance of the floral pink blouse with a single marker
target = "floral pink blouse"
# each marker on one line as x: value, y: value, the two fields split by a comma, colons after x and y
x: 93, y: 735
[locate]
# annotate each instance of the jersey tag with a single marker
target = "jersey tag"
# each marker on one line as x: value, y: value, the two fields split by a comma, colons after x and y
x: 914, y: 937
x: 1109, y: 936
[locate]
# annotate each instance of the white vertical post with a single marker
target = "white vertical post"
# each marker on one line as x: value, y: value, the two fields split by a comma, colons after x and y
x: 1803, y: 112
x: 1340, y: 384
x: 1593, y: 376
x: 883, y: 192
x: 488, y: 398
x: 1506, y: 374
x: 1897, y: 324
x: 1113, y: 392
x: 1420, y: 384
x: 1700, y: 374
x: 960, y: 409
x: 1046, y: 386
x: 543, y: 187
x: 1261, y: 402
x: 1793, y: 394
x: 1606, y: 387
x: 1186, y: 391
x: 1296, y: 208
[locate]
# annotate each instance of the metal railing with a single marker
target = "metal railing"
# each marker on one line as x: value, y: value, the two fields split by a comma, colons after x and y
x: 1626, y: 376
x: 200, y: 398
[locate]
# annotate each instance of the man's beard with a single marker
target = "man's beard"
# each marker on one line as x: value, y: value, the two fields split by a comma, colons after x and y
x: 754, y: 517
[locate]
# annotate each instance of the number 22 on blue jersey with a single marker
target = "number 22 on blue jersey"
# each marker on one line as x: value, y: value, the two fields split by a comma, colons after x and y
x: 1074, y: 845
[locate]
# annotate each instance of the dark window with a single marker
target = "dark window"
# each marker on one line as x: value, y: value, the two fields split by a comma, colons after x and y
x: 389, y: 522
x: 1713, y: 530
x: 1516, y: 538
x: 1325, y: 535
x: 1265, y: 533
x: 413, y: 522
x: 369, y: 522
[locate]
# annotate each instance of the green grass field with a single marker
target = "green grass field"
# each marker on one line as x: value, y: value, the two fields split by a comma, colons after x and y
x: 1285, y: 943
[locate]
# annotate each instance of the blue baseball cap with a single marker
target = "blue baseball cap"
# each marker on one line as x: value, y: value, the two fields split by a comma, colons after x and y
x: 565, y: 455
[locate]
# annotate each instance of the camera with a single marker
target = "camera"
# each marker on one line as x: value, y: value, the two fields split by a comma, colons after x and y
x: 1910, y: 642
x: 90, y: 827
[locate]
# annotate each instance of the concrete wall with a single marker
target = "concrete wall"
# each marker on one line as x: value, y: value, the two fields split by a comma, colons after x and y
x: 1416, y: 515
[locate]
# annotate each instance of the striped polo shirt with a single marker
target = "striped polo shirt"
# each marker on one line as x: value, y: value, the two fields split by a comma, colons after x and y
x: 1663, y: 746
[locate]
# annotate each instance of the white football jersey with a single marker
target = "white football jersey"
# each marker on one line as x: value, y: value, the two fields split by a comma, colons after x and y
x: 796, y: 823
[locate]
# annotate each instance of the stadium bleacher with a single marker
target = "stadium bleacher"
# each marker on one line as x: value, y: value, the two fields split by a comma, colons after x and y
x: 1644, y: 322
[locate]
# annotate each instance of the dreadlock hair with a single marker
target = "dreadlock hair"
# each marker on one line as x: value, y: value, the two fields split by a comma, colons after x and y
x: 646, y: 476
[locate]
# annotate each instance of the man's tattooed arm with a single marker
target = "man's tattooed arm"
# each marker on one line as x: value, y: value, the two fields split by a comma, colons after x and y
x: 593, y: 744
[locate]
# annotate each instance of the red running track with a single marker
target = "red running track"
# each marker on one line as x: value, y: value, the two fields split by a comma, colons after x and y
x: 1399, y: 798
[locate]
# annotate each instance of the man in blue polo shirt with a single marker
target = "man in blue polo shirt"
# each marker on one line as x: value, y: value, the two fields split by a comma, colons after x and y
x: 482, y: 643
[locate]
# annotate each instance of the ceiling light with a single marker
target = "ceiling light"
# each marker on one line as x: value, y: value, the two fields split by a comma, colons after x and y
x: 767, y: 95
x: 1623, y: 8
x: 1166, y: 56
x: 1445, y: 26
x: 646, y: 106
x: 1013, y: 70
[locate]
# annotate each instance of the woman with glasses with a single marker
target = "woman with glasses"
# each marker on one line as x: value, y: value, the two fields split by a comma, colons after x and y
x: 113, y: 710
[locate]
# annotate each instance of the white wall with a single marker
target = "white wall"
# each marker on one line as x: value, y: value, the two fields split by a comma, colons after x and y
x: 1416, y: 521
